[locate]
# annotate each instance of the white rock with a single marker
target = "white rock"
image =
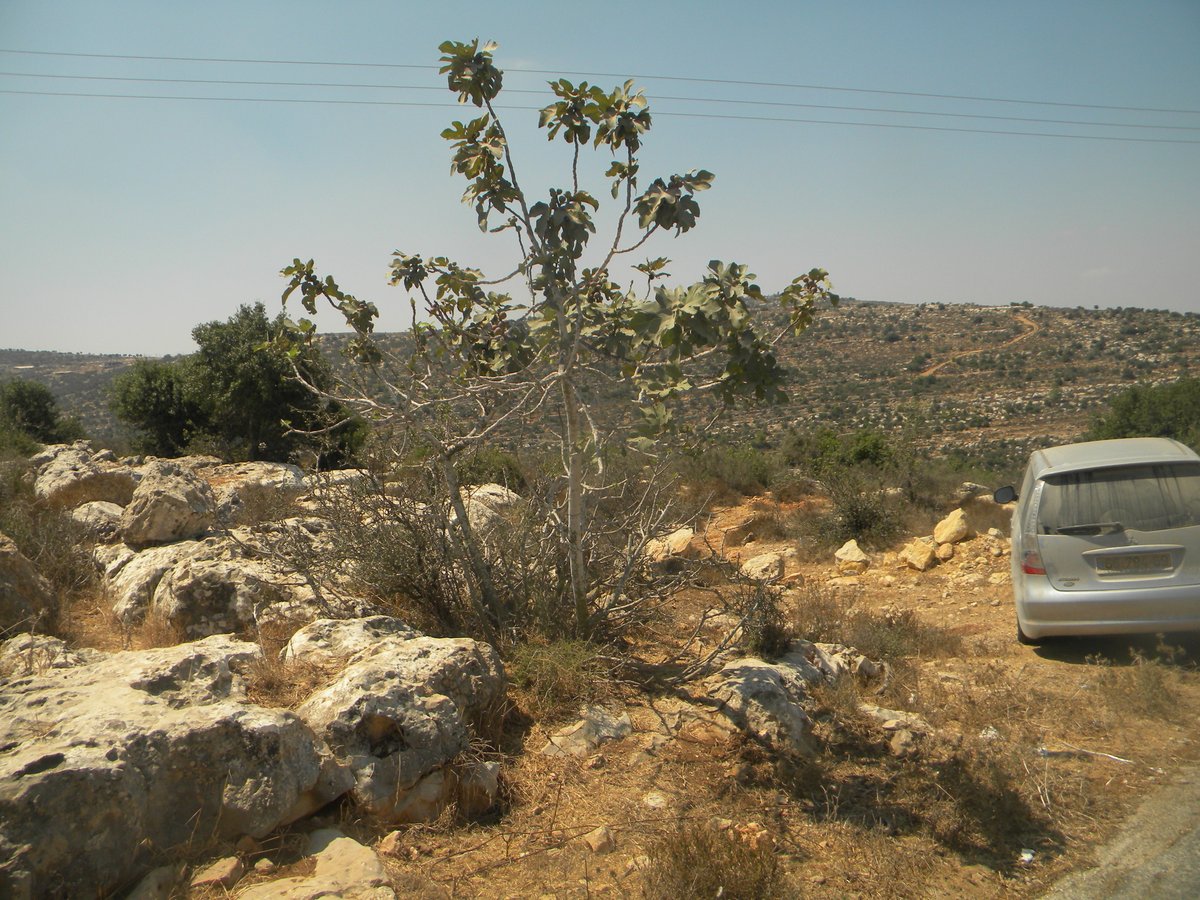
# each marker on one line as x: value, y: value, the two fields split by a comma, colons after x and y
x: 398, y: 715
x: 140, y: 751
x: 170, y: 504
x: 764, y: 567
x: 71, y: 475
x: 851, y: 560
x: 26, y: 598
x: 598, y: 726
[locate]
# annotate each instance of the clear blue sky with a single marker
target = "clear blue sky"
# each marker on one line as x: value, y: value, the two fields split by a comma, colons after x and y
x: 125, y: 222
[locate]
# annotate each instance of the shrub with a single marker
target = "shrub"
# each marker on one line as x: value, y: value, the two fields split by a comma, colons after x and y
x: 729, y: 471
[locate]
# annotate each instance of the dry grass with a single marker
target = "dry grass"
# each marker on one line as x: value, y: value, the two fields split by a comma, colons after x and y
x: 830, y: 616
x: 698, y: 860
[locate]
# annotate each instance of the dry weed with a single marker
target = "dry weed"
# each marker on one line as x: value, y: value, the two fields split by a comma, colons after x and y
x: 697, y: 860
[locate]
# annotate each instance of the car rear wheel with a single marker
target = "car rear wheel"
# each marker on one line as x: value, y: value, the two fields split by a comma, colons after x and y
x: 1023, y: 638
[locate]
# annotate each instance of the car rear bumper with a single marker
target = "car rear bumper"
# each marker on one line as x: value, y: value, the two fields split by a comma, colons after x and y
x: 1045, y: 612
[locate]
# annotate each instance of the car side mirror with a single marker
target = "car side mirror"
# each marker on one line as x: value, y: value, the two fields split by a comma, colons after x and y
x: 1006, y: 494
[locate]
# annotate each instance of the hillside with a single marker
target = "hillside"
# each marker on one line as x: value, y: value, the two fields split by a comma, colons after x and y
x: 957, y: 376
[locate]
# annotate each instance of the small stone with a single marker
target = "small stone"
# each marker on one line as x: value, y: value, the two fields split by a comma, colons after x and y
x: 903, y: 744
x: 392, y: 844
x: 655, y: 800
x: 600, y: 840
x: 945, y: 552
x: 264, y: 866
x: 223, y: 873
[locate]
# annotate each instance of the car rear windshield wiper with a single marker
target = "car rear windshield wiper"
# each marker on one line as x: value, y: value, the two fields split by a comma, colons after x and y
x: 1091, y: 528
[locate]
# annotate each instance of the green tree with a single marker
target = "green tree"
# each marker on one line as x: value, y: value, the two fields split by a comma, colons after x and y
x: 1161, y: 410
x: 483, y: 359
x: 30, y: 409
x: 238, y: 396
x: 159, y: 401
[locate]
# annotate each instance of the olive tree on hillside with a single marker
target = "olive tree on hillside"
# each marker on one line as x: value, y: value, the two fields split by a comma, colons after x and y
x: 29, y: 410
x: 482, y: 358
x: 236, y: 395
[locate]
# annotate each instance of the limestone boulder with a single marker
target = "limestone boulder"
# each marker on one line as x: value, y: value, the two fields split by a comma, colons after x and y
x: 764, y: 567
x: 675, y: 545
x: 101, y: 519
x: 252, y: 490
x: 26, y: 598
x: 919, y: 554
x: 401, y: 712
x: 133, y: 577
x: 598, y: 726
x: 226, y: 583
x: 32, y: 654
x: 327, y: 641
x: 489, y: 508
x: 69, y: 475
x: 171, y: 503
x: 108, y: 762
x: 764, y: 700
x: 952, y: 529
x: 850, y: 559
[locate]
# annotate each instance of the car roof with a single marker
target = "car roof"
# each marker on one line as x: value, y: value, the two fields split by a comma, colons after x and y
x: 1106, y: 454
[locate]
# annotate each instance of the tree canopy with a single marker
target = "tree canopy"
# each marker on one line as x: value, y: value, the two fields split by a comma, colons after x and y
x: 1160, y: 410
x: 29, y: 410
x: 237, y: 396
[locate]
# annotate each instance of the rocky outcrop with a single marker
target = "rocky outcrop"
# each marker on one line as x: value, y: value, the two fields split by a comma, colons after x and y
x: 401, y: 712
x: 919, y: 554
x: 99, y: 518
x: 764, y: 700
x: 240, y: 487
x: 225, y: 583
x: 69, y: 475
x: 105, y: 762
x: 677, y: 544
x: 598, y: 726
x: 26, y: 598
x: 170, y: 504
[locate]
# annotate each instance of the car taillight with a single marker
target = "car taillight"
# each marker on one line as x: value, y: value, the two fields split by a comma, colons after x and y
x: 1031, y: 556
x: 1031, y: 563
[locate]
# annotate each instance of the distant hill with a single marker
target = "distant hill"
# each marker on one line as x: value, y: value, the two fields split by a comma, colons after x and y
x: 957, y: 376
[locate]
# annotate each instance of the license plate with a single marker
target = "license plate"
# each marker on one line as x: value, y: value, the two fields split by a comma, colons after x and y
x: 1133, y: 563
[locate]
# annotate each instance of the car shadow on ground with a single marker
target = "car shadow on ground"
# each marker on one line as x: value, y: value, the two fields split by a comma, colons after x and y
x: 1181, y: 649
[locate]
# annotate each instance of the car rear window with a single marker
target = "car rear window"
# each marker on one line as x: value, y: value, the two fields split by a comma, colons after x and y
x: 1143, y: 498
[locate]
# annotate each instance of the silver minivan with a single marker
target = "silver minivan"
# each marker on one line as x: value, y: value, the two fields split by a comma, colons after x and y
x: 1106, y: 539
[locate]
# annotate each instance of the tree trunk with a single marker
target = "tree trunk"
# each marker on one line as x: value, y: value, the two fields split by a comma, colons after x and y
x: 483, y: 591
x: 575, y: 508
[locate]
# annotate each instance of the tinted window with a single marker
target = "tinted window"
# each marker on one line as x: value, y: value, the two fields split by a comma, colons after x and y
x: 1144, y: 498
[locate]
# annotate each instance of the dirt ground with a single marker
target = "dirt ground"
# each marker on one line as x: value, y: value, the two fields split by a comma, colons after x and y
x: 1035, y: 754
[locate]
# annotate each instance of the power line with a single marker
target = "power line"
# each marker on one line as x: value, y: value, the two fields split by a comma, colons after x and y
x: 721, y: 100
x: 644, y: 77
x: 412, y: 103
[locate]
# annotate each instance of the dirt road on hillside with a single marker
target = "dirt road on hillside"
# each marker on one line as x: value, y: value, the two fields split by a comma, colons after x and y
x: 1033, y: 327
